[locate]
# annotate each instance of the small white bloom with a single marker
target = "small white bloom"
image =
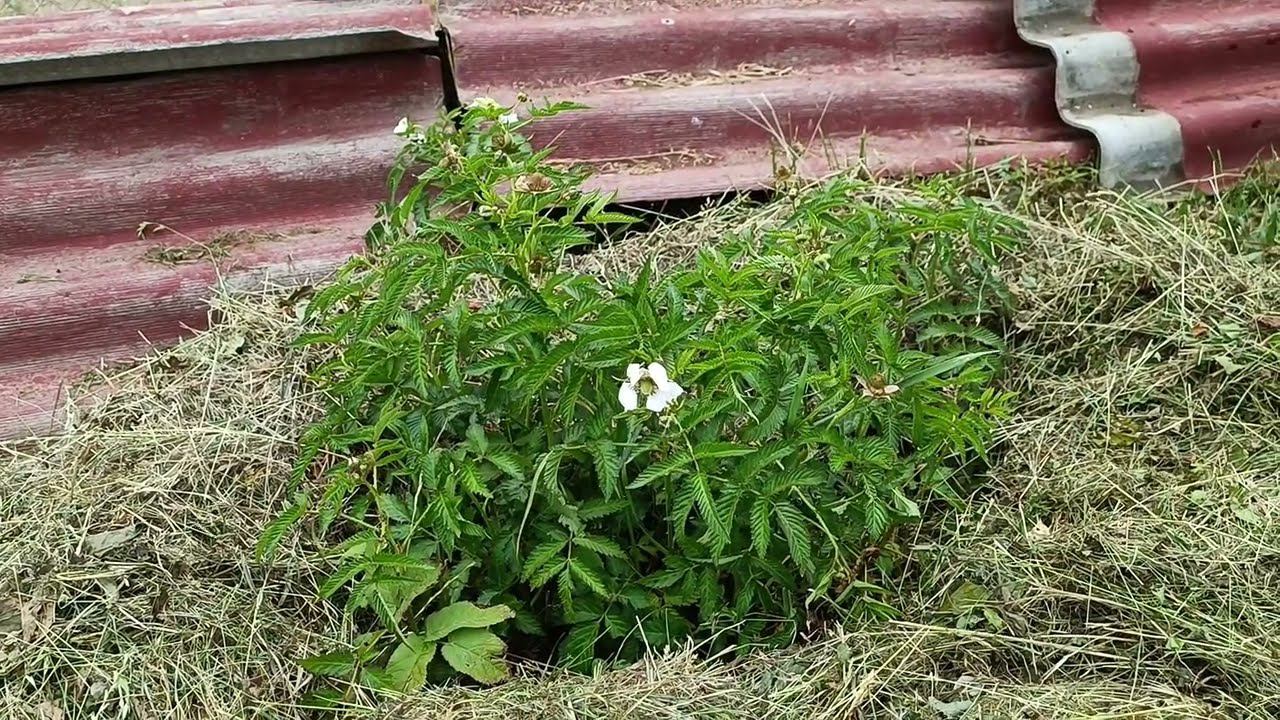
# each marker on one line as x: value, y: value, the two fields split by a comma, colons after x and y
x: 509, y: 118
x: 402, y: 127
x: 652, y: 384
x: 484, y: 103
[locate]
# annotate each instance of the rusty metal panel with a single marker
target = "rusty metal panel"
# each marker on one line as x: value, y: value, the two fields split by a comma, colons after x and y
x: 706, y: 97
x: 1172, y: 89
x: 265, y: 164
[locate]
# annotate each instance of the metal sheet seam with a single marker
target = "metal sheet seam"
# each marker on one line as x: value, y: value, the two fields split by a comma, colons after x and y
x: 1096, y: 89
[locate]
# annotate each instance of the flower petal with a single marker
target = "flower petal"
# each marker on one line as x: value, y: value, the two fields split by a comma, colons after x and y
x: 657, y: 402
x: 665, y: 395
x: 627, y: 396
x: 634, y: 371
x: 658, y: 373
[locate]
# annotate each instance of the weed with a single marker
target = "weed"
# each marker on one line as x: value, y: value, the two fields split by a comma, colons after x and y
x: 723, y: 450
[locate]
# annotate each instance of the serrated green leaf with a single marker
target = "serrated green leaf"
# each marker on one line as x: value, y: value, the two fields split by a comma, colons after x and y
x: 761, y: 531
x: 796, y: 531
x: 608, y: 466
x: 601, y: 545
x: 546, y: 572
x: 542, y: 554
x: 710, y: 450
x: 941, y: 366
x: 476, y: 653
x: 462, y: 615
x: 507, y: 462
x: 588, y: 577
x: 661, y: 470
x: 469, y: 478
x: 340, y: 577
x: 579, y: 645
x: 596, y: 509
x: 335, y: 664
x: 275, y: 530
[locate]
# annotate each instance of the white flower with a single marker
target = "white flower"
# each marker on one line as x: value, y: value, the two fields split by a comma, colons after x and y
x: 402, y: 127
x: 652, y: 384
x: 484, y: 103
x: 509, y: 118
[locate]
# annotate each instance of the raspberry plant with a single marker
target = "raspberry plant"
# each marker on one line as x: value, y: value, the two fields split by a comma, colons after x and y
x: 834, y: 379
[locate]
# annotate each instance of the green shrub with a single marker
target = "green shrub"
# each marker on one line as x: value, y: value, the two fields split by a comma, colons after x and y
x: 834, y: 376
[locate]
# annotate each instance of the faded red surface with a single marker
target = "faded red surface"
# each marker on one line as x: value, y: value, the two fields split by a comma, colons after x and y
x: 1212, y: 64
x: 279, y: 165
x: 287, y: 158
x: 693, y: 100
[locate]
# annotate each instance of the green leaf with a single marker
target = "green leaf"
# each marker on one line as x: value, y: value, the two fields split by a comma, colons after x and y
x: 795, y: 529
x: 507, y: 462
x: 761, y: 531
x: 542, y: 554
x: 335, y: 664
x: 601, y: 545
x: 661, y: 470
x: 462, y: 615
x: 340, y: 577
x: 588, y: 577
x: 941, y: 366
x: 710, y: 450
x: 579, y: 646
x: 475, y: 652
x: 407, y: 668
x: 275, y: 530
x: 469, y: 478
x: 608, y: 466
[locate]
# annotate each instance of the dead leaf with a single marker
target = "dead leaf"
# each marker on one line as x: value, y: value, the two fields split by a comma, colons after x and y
x: 1268, y: 324
x: 99, y: 543
x: 10, y: 617
x: 1199, y: 330
x: 49, y: 710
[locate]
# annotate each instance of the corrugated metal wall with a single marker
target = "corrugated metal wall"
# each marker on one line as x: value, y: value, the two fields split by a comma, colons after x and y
x: 1173, y: 90
x: 260, y: 130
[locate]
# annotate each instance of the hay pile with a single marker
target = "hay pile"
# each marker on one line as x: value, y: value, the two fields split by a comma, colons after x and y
x: 1122, y: 563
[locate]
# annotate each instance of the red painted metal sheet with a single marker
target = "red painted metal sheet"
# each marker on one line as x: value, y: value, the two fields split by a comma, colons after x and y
x: 276, y: 164
x: 699, y: 99
x: 274, y: 167
x: 1214, y: 65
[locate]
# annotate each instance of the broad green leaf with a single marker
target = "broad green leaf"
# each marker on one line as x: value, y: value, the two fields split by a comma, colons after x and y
x: 407, y: 668
x: 462, y: 615
x: 475, y: 652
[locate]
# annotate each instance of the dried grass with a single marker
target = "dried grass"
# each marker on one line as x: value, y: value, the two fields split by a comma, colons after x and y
x: 1122, y: 562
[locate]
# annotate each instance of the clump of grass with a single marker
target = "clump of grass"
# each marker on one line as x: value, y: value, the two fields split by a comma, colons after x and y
x: 125, y: 574
x: 1122, y: 563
